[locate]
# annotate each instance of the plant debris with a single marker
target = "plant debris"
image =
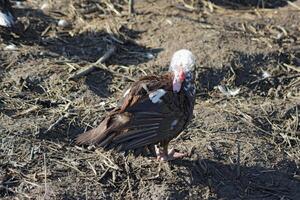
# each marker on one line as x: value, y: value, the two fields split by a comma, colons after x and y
x: 246, y: 147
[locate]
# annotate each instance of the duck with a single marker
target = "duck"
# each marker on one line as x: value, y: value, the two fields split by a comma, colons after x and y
x: 154, y: 110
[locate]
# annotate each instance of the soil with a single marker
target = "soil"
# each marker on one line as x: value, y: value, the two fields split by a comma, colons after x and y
x: 244, y: 139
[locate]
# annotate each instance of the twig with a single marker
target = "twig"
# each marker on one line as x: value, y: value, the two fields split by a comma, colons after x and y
x: 291, y: 67
x: 69, y: 165
x: 103, y: 174
x: 29, y: 110
x: 128, y: 179
x: 88, y: 69
x: 108, y: 162
x: 238, y: 169
x: 57, y: 122
x: 131, y: 6
x: 59, y: 119
x: 93, y: 168
x: 112, y: 8
x: 294, y: 5
x: 45, y: 176
x: 31, y: 183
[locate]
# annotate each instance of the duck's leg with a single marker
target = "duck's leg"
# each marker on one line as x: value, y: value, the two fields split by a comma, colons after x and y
x: 162, y: 152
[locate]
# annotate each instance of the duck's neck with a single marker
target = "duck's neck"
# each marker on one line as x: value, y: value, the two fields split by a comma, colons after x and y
x: 188, y: 85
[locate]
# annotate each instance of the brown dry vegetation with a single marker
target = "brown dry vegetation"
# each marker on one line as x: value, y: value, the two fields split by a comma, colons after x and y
x: 241, y: 147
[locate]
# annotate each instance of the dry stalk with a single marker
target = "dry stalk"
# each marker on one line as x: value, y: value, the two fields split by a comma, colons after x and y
x: 294, y: 5
x: 88, y: 69
x: 29, y: 110
x: 297, y: 69
x: 108, y: 162
x: 93, y: 168
x: 45, y: 177
x: 131, y: 6
x: 59, y: 119
x: 70, y: 166
x: 111, y: 7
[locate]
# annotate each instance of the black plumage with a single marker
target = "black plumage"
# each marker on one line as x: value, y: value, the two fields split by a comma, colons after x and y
x: 152, y: 112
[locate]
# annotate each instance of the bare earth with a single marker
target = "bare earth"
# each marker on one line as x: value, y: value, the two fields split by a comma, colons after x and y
x: 243, y: 146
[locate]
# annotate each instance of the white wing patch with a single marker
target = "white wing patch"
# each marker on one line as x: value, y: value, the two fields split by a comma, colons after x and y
x: 127, y: 92
x: 156, y: 95
x: 6, y: 19
x: 174, y: 123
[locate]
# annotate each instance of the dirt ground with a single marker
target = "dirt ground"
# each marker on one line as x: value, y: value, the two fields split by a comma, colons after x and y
x: 244, y: 140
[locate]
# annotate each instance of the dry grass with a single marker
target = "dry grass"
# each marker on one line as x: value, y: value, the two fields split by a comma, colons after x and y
x: 243, y: 141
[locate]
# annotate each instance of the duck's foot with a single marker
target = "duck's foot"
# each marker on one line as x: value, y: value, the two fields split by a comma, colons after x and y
x: 168, y: 155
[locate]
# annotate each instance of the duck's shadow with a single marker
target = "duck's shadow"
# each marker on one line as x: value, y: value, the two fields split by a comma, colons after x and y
x: 241, y: 4
x: 238, y: 181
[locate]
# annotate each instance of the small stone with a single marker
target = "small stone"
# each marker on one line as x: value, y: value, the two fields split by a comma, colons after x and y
x: 266, y: 74
x: 63, y: 23
x: 45, y: 6
x: 11, y: 47
x: 19, y: 4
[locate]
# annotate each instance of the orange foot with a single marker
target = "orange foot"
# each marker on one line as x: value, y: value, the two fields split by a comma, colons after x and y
x: 168, y: 155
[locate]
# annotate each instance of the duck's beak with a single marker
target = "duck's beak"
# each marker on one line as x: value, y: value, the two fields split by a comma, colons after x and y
x: 179, y: 77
